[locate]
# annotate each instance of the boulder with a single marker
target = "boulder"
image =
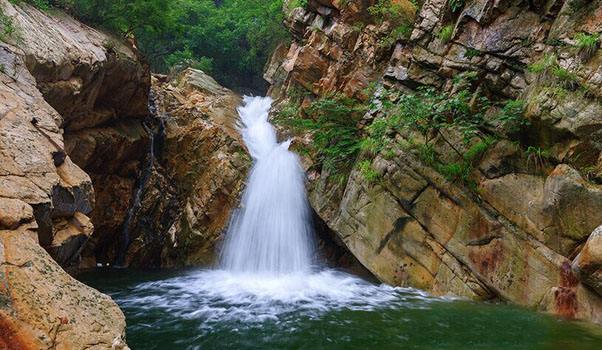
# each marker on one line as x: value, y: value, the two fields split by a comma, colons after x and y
x: 588, y: 264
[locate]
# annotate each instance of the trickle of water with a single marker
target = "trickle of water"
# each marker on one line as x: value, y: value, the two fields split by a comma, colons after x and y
x: 271, y: 233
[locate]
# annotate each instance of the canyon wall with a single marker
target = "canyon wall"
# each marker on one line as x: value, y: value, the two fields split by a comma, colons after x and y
x: 516, y: 224
x: 57, y: 76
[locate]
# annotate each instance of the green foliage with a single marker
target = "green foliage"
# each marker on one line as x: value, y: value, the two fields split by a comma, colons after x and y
x: 426, y: 153
x: 587, y: 41
x: 548, y: 67
x: 549, y: 60
x: 400, y: 32
x: 332, y: 122
x: 565, y: 76
x: 446, y: 33
x: 471, y: 52
x: 475, y: 152
x: 396, y: 12
x: 2, y: 68
x: 185, y: 58
x: 538, y: 156
x: 41, y: 4
x: 368, y: 171
x: 455, y: 171
x: 232, y: 38
x: 427, y: 112
x: 511, y: 115
x: 7, y: 27
x: 298, y: 3
x: 456, y: 5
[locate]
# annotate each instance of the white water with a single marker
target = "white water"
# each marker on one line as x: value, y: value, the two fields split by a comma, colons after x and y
x: 271, y: 233
x: 266, y: 272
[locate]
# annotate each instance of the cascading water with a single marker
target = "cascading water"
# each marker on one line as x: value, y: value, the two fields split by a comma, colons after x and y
x: 266, y: 295
x: 271, y: 233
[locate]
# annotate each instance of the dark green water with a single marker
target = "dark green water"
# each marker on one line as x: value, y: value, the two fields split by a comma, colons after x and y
x: 329, y: 310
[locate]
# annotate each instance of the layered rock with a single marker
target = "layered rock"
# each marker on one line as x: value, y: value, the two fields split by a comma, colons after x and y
x: 517, y: 230
x: 203, y: 164
x: 56, y: 75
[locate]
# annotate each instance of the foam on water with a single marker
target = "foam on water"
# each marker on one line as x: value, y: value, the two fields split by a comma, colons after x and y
x: 218, y: 296
x: 266, y: 262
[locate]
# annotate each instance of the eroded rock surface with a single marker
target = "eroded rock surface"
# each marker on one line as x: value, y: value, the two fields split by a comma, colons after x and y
x: 55, y: 73
x: 519, y: 231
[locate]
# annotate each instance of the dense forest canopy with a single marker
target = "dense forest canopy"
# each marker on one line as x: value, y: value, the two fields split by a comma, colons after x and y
x: 230, y: 39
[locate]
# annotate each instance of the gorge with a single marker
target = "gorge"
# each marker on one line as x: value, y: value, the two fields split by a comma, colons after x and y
x: 422, y: 174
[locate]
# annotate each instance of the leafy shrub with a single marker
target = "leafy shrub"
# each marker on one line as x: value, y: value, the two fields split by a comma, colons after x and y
x: 587, y: 41
x: 41, y: 4
x: 478, y: 149
x: 511, y: 115
x: 185, y: 58
x: 400, y: 32
x: 332, y: 122
x: 548, y: 67
x: 298, y: 3
x: 587, y: 44
x: 368, y: 171
x: 446, y: 33
x: 538, y: 156
x: 566, y: 77
x: 471, y: 52
x: 549, y: 60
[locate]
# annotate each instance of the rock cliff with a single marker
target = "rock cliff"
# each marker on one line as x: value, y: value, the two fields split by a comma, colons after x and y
x: 58, y: 78
x: 505, y: 212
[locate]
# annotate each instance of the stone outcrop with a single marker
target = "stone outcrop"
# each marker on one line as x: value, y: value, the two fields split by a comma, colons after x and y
x: 520, y: 228
x: 204, y: 164
x: 57, y: 76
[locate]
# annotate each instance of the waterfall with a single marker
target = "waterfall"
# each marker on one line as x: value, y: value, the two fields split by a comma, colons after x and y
x: 271, y: 232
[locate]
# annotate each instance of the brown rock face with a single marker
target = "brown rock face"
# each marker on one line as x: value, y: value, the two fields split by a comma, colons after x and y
x: 512, y: 231
x: 588, y: 264
x: 204, y: 157
x: 56, y: 76
x: 46, y: 308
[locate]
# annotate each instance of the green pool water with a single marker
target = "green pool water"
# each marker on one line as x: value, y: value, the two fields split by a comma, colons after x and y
x: 327, y: 310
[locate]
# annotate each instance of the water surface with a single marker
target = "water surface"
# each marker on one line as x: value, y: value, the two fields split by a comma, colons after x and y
x: 213, y: 309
